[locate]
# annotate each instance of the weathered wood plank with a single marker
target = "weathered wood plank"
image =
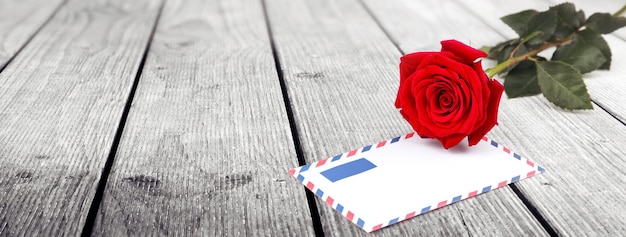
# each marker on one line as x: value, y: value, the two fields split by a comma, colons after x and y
x: 491, y: 11
x: 342, y: 75
x: 19, y: 20
x: 61, y: 102
x: 582, y: 193
x: 421, y: 25
x: 207, y: 143
x: 606, y: 88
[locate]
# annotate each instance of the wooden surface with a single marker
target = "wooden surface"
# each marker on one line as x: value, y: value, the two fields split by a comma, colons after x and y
x: 61, y: 102
x: 19, y: 21
x: 207, y: 142
x: 107, y: 129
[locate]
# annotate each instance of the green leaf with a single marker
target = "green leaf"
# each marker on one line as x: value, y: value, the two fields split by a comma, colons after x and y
x: 579, y: 53
x: 568, y: 20
x: 519, y: 21
x: 495, y: 51
x: 522, y: 81
x: 505, y: 53
x: 563, y: 85
x: 605, y: 23
x: 544, y: 22
x: 594, y: 38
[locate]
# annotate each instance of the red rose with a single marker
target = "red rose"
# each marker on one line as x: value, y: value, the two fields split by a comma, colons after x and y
x: 447, y: 95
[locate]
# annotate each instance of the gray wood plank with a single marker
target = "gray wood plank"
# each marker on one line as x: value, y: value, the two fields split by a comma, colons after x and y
x: 582, y: 192
x: 497, y: 9
x: 207, y: 143
x: 606, y: 88
x: 61, y: 102
x: 19, y: 20
x: 342, y: 75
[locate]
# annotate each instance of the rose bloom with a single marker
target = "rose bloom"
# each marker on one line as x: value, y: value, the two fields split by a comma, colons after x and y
x: 446, y: 95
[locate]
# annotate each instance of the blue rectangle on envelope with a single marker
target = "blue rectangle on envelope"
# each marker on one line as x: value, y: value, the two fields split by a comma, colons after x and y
x: 348, y: 169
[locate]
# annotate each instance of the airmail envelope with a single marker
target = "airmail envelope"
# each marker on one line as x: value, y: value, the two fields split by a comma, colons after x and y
x: 391, y: 181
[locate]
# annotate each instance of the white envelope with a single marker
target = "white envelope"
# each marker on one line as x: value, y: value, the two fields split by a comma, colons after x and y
x: 391, y: 181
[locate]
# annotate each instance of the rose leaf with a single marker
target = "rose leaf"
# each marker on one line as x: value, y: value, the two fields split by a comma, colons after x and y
x: 519, y: 21
x: 563, y: 85
x: 595, y: 39
x: 545, y: 22
x: 495, y: 51
x: 605, y: 23
x: 581, y: 54
x: 568, y: 20
x: 522, y: 81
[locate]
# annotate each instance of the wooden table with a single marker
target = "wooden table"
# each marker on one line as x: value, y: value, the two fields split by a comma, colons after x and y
x: 182, y: 117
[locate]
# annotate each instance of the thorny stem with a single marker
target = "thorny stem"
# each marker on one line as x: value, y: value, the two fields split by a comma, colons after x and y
x: 524, y: 40
x: 491, y: 72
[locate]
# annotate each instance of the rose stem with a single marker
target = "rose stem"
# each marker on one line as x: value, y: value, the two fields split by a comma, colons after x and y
x: 620, y: 11
x: 491, y: 72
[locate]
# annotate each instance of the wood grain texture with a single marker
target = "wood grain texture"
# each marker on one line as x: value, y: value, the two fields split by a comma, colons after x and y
x: 19, y: 20
x: 581, y: 194
x: 207, y: 145
x: 342, y: 75
x: 61, y: 101
x: 606, y: 88
x: 491, y: 11
x: 422, y: 25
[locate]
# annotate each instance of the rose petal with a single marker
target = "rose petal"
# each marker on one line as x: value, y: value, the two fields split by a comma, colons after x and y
x: 410, y: 116
x: 404, y: 97
x: 462, y: 119
x: 452, y: 140
x: 409, y: 63
x: 466, y: 53
x: 478, y: 68
x: 441, y: 89
x: 496, y: 90
x: 478, y: 93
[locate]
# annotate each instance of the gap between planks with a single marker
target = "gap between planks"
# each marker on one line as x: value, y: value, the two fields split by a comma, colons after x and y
x: 30, y: 38
x: 315, y: 215
x: 104, y: 177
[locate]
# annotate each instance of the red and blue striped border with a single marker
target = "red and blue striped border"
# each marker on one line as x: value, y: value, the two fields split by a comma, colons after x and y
x: 295, y: 172
x: 349, y: 154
